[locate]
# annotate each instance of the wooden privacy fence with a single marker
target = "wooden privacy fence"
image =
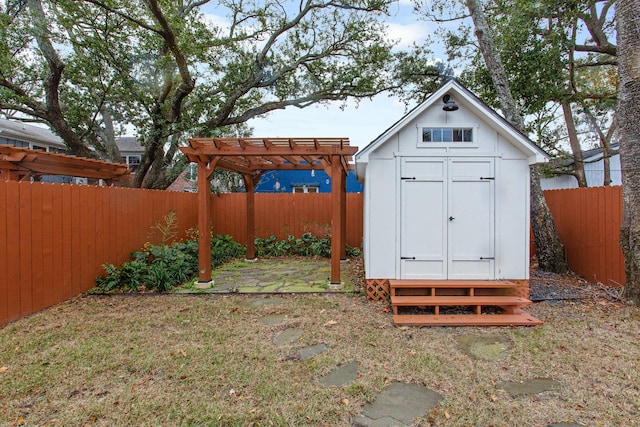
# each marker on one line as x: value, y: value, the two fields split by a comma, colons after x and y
x: 284, y: 214
x: 588, y: 221
x: 55, y: 238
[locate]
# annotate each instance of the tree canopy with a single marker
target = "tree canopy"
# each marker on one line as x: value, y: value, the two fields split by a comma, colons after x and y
x: 560, y: 59
x: 89, y: 68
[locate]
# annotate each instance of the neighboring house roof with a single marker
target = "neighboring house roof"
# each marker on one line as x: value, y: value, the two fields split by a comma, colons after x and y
x: 465, y: 99
x: 28, y: 133
x: 40, y: 135
x: 129, y: 144
x: 592, y: 155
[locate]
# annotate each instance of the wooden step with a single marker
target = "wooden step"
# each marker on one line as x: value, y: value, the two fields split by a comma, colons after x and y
x: 411, y: 283
x: 420, y: 301
x: 520, y: 319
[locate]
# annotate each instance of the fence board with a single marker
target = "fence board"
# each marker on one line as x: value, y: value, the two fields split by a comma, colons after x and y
x: 13, y: 250
x: 47, y: 247
x: 4, y: 279
x: 67, y: 241
x: 26, y: 224
x: 57, y: 245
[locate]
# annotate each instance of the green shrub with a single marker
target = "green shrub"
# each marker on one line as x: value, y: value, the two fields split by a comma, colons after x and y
x: 162, y: 267
x: 306, y: 245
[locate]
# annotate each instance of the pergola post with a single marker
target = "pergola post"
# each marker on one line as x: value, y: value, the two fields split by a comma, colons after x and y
x: 250, y: 186
x: 336, y: 218
x: 204, y: 222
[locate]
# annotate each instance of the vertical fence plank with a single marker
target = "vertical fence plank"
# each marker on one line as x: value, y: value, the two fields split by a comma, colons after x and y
x: 37, y: 276
x: 67, y: 240
x: 4, y: 277
x: 57, y: 244
x: 13, y: 250
x: 25, y: 249
x: 47, y: 246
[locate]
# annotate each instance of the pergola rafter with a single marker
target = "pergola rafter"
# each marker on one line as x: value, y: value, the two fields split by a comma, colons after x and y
x: 251, y: 157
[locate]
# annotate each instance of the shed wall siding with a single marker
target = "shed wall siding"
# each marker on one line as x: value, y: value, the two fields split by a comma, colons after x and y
x: 380, y: 220
x: 512, y: 219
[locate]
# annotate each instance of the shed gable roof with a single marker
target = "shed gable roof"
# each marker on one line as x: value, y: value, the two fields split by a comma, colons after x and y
x: 466, y: 99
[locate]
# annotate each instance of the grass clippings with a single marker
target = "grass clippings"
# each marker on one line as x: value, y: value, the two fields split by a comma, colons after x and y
x: 207, y: 360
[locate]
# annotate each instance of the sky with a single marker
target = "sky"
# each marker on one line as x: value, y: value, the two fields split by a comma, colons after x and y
x: 361, y: 121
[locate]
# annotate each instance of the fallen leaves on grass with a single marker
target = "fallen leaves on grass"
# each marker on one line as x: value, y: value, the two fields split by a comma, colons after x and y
x: 3, y: 369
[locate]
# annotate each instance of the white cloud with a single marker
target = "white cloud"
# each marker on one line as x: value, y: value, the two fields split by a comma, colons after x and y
x: 408, y: 33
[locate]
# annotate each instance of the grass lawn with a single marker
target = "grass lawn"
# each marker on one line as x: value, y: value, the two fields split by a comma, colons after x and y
x: 209, y: 360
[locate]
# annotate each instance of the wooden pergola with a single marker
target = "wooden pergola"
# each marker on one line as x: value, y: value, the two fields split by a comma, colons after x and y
x: 251, y: 157
x: 18, y: 164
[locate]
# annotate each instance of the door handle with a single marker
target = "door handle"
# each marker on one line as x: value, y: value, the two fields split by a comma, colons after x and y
x: 487, y: 257
x: 451, y: 218
x: 407, y: 257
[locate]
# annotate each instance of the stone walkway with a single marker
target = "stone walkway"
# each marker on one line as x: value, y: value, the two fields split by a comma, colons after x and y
x: 275, y: 276
x: 399, y: 404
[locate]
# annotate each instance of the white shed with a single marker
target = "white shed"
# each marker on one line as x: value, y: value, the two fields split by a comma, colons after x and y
x: 446, y: 203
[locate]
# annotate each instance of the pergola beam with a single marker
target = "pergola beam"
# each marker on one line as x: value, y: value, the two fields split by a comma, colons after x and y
x: 36, y: 163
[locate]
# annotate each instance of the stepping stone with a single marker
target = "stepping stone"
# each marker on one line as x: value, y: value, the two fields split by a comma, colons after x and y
x: 308, y: 352
x: 273, y: 320
x: 287, y: 336
x: 484, y: 347
x: 529, y: 387
x: 398, y: 405
x: 260, y: 302
x: 341, y: 375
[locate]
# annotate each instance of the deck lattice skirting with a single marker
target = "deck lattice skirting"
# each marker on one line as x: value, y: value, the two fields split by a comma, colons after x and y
x: 378, y: 290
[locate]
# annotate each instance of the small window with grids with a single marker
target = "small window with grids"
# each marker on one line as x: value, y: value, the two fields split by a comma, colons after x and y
x: 432, y: 134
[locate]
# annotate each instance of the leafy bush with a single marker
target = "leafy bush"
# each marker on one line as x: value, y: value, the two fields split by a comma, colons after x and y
x: 162, y: 267
x: 305, y: 245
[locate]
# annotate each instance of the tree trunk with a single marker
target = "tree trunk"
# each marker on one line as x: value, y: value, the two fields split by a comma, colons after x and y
x: 576, y: 149
x: 628, y: 13
x: 549, y: 248
x: 548, y: 244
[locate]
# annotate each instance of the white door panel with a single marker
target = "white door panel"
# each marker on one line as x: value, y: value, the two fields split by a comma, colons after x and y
x: 447, y: 219
x: 423, y: 232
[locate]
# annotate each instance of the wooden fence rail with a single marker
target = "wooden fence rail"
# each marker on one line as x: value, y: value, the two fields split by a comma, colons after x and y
x: 588, y: 221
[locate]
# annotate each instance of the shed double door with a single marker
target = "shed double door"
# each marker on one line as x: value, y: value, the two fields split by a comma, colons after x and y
x: 447, y: 218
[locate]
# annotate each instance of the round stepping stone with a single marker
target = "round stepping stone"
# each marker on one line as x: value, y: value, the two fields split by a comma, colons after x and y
x: 529, y: 387
x: 308, y: 352
x: 398, y: 405
x: 287, y: 336
x: 273, y: 320
x: 341, y: 375
x: 484, y: 347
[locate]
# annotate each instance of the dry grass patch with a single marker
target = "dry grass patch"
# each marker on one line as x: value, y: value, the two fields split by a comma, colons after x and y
x: 207, y: 360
